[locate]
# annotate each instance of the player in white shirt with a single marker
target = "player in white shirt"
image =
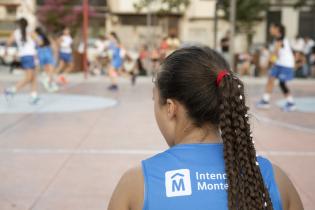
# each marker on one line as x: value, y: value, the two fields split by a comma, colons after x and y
x: 65, y: 54
x: 283, y: 69
x: 26, y: 42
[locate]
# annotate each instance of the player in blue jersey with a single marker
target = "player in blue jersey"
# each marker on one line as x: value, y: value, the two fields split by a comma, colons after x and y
x: 116, y: 60
x: 199, y: 106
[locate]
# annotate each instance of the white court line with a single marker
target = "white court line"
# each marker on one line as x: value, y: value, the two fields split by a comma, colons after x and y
x: 18, y: 151
x: 283, y: 124
x: 80, y: 151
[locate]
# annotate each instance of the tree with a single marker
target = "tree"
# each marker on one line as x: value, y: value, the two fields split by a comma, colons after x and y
x: 301, y: 3
x: 54, y: 14
x: 248, y: 14
x: 165, y: 6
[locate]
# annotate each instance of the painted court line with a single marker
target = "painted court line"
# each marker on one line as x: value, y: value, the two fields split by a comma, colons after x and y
x: 20, y: 151
x: 283, y: 124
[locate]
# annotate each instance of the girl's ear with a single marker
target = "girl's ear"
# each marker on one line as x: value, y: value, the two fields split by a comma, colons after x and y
x: 171, y: 108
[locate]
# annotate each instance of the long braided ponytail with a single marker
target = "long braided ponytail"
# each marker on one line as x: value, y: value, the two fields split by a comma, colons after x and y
x: 246, y: 187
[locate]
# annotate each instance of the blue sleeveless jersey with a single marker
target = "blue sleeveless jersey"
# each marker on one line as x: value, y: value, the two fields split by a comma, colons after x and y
x: 192, y: 177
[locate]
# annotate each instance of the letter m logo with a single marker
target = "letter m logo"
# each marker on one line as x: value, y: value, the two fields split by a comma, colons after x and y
x: 178, y: 183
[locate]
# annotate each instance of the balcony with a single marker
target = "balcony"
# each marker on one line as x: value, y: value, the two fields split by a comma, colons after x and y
x: 12, y: 3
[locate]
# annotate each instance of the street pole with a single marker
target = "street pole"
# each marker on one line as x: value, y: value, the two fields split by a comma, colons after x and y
x: 85, y: 36
x: 215, y: 26
x: 149, y: 20
x: 232, y: 32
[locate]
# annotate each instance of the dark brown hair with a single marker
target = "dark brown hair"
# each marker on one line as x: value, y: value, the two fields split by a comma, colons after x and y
x: 189, y: 76
x: 22, y: 23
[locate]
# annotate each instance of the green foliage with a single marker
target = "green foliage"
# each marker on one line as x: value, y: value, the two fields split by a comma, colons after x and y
x: 248, y: 13
x: 301, y: 3
x: 166, y: 6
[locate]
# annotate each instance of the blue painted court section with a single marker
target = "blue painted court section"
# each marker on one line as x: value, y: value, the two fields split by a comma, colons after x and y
x: 54, y: 103
x: 305, y: 104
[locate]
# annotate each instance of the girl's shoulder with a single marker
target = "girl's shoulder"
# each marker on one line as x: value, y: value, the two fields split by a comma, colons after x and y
x: 129, y: 192
x: 289, y: 195
x: 275, y: 177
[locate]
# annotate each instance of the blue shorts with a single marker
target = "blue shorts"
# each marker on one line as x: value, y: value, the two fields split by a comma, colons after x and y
x: 282, y: 73
x: 45, y: 56
x: 116, y: 62
x: 27, y: 62
x: 66, y: 57
x: 117, y: 65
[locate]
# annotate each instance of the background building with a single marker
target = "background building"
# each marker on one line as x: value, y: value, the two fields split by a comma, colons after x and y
x: 192, y: 24
x: 11, y: 10
x: 196, y: 23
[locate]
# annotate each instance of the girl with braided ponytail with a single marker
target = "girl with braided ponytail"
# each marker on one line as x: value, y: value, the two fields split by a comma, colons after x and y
x: 200, y: 109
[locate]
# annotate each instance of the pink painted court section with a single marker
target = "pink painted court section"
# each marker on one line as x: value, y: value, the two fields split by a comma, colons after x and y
x: 73, y: 160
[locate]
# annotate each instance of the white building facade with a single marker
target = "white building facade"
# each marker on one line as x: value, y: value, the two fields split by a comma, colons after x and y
x: 11, y: 10
x: 196, y: 23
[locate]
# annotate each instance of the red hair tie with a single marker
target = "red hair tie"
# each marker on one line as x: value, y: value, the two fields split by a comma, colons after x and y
x: 220, y: 76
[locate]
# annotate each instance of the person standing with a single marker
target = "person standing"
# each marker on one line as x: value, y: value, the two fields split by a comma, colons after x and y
x: 26, y: 42
x: 282, y: 69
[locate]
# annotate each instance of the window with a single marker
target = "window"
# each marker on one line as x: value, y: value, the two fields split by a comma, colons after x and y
x: 136, y: 20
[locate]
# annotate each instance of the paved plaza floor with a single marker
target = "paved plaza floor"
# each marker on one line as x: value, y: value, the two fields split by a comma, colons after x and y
x: 68, y: 152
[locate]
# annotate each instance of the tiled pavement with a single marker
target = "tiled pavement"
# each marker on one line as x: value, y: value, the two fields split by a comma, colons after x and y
x: 72, y: 160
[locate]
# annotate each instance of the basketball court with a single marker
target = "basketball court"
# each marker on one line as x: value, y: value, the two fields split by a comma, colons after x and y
x: 69, y: 151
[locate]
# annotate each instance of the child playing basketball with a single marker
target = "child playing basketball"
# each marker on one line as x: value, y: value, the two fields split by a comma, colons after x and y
x: 46, y: 59
x: 116, y: 60
x: 26, y: 42
x: 200, y: 108
x: 65, y: 54
x: 281, y: 70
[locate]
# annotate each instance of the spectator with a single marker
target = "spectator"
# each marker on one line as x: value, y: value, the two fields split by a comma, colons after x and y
x: 173, y: 43
x: 312, y: 62
x: 244, y: 61
x: 264, y: 57
x: 225, y: 45
x: 163, y: 48
x: 309, y: 44
x: 298, y: 44
x: 300, y: 65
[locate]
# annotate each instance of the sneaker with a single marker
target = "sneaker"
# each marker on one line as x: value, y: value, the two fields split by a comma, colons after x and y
x: 53, y: 87
x: 262, y: 104
x: 289, y: 107
x: 46, y: 83
x: 62, y: 80
x: 133, y: 79
x: 34, y: 100
x: 113, y: 87
x: 8, y: 94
